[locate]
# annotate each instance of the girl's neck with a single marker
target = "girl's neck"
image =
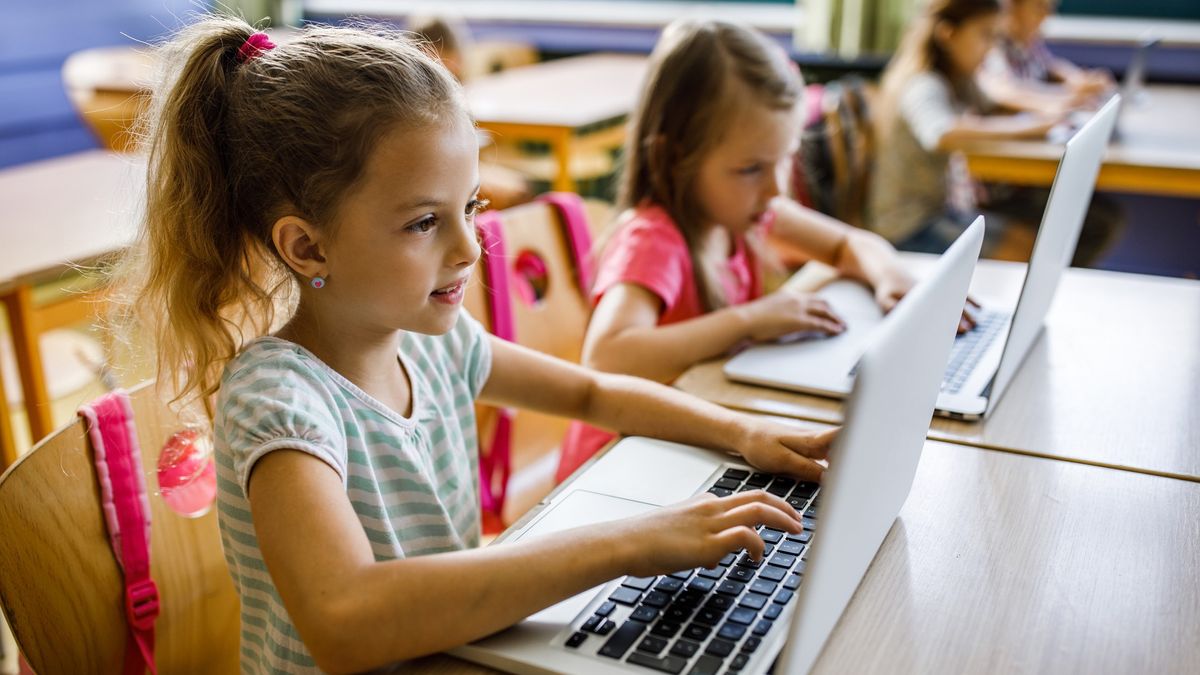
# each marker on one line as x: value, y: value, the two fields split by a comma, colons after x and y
x: 369, y: 359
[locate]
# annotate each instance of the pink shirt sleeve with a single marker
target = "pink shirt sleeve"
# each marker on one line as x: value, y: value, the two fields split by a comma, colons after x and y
x: 648, y: 251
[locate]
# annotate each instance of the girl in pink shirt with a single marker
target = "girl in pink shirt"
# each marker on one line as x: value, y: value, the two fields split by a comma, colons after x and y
x: 680, y: 279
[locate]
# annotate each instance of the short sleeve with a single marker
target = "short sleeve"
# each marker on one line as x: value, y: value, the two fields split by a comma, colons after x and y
x: 469, y: 347
x: 647, y: 252
x: 928, y: 109
x: 278, y: 402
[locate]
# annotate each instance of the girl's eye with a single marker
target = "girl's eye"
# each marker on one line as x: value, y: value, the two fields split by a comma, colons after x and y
x: 476, y: 205
x: 423, y: 225
x: 750, y: 170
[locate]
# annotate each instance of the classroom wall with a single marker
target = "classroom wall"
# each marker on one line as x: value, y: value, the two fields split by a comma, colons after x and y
x: 36, y: 119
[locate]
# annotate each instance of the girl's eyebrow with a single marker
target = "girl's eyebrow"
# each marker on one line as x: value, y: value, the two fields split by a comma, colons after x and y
x: 423, y: 202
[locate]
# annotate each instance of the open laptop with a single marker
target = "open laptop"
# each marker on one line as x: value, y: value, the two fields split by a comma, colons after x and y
x: 735, y: 616
x: 985, y: 358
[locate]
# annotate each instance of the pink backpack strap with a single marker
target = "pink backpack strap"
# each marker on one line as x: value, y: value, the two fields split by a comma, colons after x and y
x: 579, y: 238
x: 495, y: 466
x: 127, y: 516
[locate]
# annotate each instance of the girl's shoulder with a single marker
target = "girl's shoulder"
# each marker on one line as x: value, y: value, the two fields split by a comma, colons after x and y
x: 648, y: 221
x: 271, y: 359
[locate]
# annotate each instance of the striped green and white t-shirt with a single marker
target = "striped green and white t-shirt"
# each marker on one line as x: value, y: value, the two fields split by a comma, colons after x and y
x: 413, y: 482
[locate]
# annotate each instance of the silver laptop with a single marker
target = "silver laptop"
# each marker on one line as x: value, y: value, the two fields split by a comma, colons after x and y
x: 985, y: 358
x: 740, y: 614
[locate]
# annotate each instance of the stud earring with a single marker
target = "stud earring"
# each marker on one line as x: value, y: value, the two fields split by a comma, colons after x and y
x: 317, y: 282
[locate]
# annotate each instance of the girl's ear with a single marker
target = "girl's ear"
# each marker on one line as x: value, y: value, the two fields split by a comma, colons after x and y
x: 300, y: 245
x: 942, y: 32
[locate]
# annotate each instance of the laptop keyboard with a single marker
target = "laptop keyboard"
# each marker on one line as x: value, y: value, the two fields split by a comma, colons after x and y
x: 708, y: 620
x: 968, y: 349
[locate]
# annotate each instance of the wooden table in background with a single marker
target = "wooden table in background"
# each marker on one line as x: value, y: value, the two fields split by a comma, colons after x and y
x: 1001, y: 562
x: 57, y: 213
x: 572, y: 104
x: 1114, y: 380
x: 1157, y: 150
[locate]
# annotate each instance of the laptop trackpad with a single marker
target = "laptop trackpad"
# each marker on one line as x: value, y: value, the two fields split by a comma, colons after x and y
x: 579, y: 508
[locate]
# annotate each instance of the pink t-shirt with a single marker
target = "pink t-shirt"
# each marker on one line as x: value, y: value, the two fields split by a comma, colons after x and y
x: 648, y: 250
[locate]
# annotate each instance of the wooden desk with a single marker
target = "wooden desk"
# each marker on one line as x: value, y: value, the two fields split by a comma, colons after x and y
x: 556, y: 102
x: 1114, y: 380
x: 57, y: 213
x: 1001, y: 562
x: 1157, y: 152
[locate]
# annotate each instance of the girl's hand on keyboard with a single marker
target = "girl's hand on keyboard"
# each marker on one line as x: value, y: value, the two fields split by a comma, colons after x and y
x: 968, y: 321
x: 779, y: 448
x: 702, y: 530
x: 787, y: 311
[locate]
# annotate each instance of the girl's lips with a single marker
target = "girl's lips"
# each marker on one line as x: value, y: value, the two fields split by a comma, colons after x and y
x: 452, y: 294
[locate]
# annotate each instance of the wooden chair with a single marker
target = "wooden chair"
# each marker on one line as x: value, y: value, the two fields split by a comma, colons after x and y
x: 109, y: 88
x: 60, y: 587
x: 550, y: 310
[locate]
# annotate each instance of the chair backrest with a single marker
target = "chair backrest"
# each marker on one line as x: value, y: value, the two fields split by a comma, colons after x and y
x: 60, y: 586
x: 485, y: 57
x: 837, y: 151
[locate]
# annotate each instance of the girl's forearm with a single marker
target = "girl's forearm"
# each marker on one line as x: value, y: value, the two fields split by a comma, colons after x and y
x: 453, y: 598
x: 662, y: 353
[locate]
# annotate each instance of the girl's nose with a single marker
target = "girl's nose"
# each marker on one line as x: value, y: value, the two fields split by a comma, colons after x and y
x: 465, y: 250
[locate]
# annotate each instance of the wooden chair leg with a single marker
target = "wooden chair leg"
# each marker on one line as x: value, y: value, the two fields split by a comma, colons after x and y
x: 29, y: 361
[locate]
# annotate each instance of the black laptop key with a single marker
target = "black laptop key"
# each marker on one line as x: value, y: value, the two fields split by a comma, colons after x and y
x: 719, y: 647
x: 771, y: 536
x: 697, y: 631
x: 689, y: 597
x: 605, y: 627
x: 728, y: 559
x: 753, y: 601
x: 622, y: 640
x: 606, y: 608
x: 797, y: 503
x: 801, y: 566
x: 782, y: 560
x: 728, y: 484
x: 781, y: 483
x: 802, y: 538
x: 666, y: 629
x: 809, y: 524
x: 751, y: 644
x: 772, y: 573
x: 739, y: 662
x: 791, y: 547
x: 759, y: 480
x: 644, y: 613
x: 706, y: 665
x: 703, y: 585
x: 764, y: 586
x: 739, y: 573
x: 591, y: 623
x: 784, y: 596
x: 773, y: 611
x: 747, y: 561
x: 668, y: 585
x: 743, y: 616
x: 712, y: 572
x: 812, y: 511
x: 806, y: 489
x: 663, y: 664
x: 657, y: 599
x: 762, y: 627
x: 626, y: 596
x: 652, y: 644
x: 737, y: 474
x: 792, y: 582
x: 731, y: 588
x: 720, y: 491
x: 677, y: 613
x: 685, y: 648
x: 709, y: 617
x: 577, y: 638
x: 731, y: 631
x: 640, y: 583
x: 719, y: 602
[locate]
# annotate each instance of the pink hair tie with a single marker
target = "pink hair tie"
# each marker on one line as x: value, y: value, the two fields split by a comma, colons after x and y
x: 254, y: 46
